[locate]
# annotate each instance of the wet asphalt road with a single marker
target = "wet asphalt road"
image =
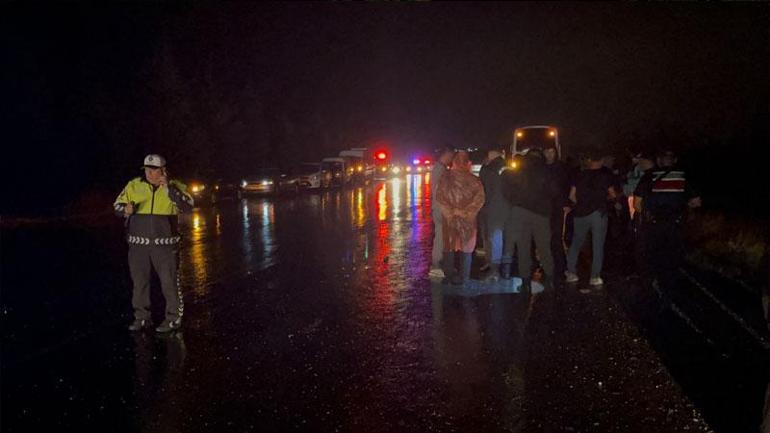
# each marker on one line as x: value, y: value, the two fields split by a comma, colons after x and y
x: 314, y: 313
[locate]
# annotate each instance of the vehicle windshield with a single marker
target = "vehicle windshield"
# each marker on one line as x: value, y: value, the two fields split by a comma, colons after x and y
x: 534, y: 138
x: 265, y: 172
x: 309, y: 168
x: 334, y: 166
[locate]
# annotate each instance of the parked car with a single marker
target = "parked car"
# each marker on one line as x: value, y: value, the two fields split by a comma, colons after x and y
x: 314, y: 176
x: 338, y: 168
x: 263, y: 181
x: 225, y: 189
x: 200, y: 191
x: 289, y: 181
x: 360, y: 164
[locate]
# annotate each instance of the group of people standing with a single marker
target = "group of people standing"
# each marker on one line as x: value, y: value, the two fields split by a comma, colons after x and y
x: 534, y: 213
x: 521, y: 207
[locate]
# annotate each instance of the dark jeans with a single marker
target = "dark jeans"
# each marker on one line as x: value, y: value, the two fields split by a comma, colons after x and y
x: 494, y: 226
x: 596, y: 223
x: 558, y: 240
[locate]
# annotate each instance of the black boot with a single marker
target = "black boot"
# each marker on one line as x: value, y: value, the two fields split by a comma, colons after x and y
x: 448, y: 266
x: 505, y: 271
x: 465, y: 270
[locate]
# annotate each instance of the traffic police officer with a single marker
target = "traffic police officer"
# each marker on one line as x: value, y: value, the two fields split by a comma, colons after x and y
x: 150, y: 204
x: 662, y: 196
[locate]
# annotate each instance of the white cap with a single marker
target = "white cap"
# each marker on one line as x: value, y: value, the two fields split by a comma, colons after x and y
x: 153, y: 160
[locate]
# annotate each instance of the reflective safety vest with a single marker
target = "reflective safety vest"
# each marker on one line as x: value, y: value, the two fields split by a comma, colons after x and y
x: 150, y: 200
x: 154, y: 221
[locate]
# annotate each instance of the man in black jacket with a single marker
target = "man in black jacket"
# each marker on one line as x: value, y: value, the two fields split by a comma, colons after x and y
x: 558, y: 176
x: 662, y: 198
x: 528, y: 191
x: 495, y: 210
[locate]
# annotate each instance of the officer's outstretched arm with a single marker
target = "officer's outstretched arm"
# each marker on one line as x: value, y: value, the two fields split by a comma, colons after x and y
x: 177, y: 192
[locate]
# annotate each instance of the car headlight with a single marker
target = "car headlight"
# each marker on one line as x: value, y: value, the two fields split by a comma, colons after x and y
x: 408, y: 169
x: 198, y: 188
x: 267, y: 182
x: 396, y: 170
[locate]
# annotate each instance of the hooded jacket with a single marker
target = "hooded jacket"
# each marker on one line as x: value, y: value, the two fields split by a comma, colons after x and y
x: 460, y: 196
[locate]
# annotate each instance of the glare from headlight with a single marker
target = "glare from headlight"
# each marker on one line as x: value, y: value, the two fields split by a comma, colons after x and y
x: 244, y: 183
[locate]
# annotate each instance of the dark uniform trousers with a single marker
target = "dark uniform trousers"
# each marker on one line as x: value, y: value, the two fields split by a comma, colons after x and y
x: 164, y: 258
x: 664, y: 250
x: 558, y: 229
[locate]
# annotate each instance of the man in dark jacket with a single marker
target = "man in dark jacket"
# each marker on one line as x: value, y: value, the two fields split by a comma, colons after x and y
x: 495, y: 209
x: 528, y: 191
x: 662, y: 197
x: 558, y: 176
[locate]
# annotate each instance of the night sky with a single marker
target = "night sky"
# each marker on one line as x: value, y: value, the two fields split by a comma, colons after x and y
x: 88, y: 89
